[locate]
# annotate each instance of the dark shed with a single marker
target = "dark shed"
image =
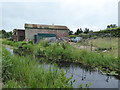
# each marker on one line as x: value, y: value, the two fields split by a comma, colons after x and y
x: 18, y: 34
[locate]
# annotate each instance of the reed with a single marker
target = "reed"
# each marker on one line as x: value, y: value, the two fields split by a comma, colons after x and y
x: 23, y: 72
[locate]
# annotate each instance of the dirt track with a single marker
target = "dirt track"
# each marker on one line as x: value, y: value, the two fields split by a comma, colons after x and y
x: 80, y: 46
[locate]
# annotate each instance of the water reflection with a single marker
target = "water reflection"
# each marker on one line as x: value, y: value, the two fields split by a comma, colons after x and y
x: 11, y: 50
x: 107, y: 80
x: 86, y: 75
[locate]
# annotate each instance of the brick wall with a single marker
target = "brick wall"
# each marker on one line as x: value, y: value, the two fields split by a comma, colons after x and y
x: 19, y: 35
x: 29, y: 33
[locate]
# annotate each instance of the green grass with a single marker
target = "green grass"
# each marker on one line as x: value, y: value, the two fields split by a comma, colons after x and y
x: 103, y: 43
x: 13, y: 43
x: 22, y: 72
x: 107, y: 43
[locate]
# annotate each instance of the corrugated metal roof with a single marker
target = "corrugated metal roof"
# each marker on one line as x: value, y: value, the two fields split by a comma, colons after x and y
x: 39, y: 26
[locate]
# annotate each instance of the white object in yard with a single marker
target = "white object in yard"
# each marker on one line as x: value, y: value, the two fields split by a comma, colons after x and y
x: 77, y: 39
x: 105, y: 51
x: 51, y: 39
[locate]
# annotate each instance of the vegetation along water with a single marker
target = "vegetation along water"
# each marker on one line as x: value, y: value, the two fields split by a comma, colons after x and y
x: 63, y: 52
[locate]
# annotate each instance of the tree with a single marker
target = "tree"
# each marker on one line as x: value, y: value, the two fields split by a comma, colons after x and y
x: 86, y: 30
x: 111, y: 26
x: 77, y: 32
x: 4, y: 34
x: 70, y: 32
x: 9, y: 34
x: 80, y: 31
x: 108, y: 26
x: 114, y: 26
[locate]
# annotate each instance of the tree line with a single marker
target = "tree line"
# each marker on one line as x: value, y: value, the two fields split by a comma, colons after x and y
x: 4, y: 34
x: 80, y: 30
x: 110, y: 29
x: 114, y: 32
x: 111, y: 26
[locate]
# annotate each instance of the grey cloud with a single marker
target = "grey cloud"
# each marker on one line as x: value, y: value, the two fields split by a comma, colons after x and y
x: 16, y: 14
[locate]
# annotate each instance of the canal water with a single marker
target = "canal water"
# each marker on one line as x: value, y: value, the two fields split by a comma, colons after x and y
x: 84, y: 75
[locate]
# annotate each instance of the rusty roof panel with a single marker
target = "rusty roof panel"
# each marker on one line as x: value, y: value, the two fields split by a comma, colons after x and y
x: 37, y: 26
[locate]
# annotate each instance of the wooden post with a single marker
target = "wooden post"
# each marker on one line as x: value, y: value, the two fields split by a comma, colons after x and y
x: 110, y: 43
x: 84, y: 44
x: 91, y: 45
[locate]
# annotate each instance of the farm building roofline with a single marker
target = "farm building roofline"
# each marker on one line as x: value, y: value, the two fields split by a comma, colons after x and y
x: 40, y: 26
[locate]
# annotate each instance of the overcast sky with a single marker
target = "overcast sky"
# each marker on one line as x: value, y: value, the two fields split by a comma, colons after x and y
x: 92, y: 14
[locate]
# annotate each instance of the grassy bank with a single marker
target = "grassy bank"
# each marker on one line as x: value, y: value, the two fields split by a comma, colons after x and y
x: 22, y: 72
x: 101, y: 44
x: 109, y: 43
x: 63, y: 52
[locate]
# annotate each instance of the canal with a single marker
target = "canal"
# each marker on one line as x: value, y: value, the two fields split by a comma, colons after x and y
x: 84, y: 75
